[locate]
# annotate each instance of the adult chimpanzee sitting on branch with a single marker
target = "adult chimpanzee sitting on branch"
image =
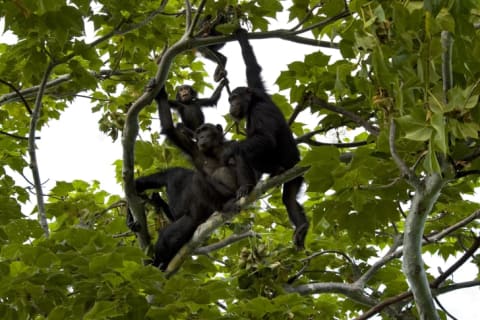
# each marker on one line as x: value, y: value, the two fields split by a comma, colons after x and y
x: 269, y: 146
x: 214, y: 186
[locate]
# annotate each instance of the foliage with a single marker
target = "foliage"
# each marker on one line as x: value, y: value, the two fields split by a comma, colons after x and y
x: 392, y: 73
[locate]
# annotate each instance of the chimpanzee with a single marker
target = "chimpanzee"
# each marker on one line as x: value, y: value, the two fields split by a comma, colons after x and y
x: 189, y: 106
x: 269, y: 146
x: 207, y: 29
x: 213, y: 185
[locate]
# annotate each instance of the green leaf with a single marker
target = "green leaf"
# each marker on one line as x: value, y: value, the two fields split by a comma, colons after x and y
x: 414, y: 127
x: 431, y: 162
x: 440, y: 136
x: 22, y: 230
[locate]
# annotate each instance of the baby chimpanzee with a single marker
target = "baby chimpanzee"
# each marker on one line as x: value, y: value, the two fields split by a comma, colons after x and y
x: 189, y: 105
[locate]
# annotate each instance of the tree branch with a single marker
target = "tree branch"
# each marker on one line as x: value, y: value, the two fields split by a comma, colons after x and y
x: 42, y: 218
x: 19, y: 94
x: 447, y: 70
x: 345, y: 13
x: 457, y: 264
x: 405, y: 170
x: 226, y: 242
x: 314, y: 143
x: 352, y: 116
x: 32, y: 91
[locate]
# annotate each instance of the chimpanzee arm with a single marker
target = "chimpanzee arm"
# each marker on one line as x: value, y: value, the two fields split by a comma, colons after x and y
x: 174, y: 104
x: 257, y: 147
x: 182, y: 141
x: 254, y: 79
x: 213, y: 100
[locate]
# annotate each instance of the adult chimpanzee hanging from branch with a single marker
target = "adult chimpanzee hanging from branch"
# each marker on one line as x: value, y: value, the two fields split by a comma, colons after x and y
x: 269, y: 146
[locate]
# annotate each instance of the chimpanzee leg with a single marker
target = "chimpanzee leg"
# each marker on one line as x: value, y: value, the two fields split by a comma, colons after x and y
x: 171, y: 239
x: 160, y: 205
x: 218, y: 58
x: 295, y: 211
x: 131, y: 224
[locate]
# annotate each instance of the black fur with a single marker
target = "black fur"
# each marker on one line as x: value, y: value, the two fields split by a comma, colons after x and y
x: 189, y: 106
x: 207, y: 29
x: 269, y: 146
x: 175, y: 180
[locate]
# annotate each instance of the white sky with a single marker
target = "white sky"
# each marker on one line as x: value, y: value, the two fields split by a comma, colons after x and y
x: 73, y: 147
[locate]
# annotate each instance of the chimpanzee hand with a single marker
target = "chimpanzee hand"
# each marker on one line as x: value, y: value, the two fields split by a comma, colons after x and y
x: 240, y: 32
x: 243, y: 191
x: 231, y: 206
x: 150, y: 85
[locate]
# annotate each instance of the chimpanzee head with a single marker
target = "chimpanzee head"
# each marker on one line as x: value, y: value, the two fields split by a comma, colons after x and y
x: 209, y: 137
x: 186, y: 94
x: 239, y: 102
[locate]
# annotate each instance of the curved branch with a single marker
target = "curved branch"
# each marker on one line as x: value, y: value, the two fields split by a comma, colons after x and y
x: 409, y: 174
x: 191, y: 25
x: 42, y: 218
x: 25, y: 103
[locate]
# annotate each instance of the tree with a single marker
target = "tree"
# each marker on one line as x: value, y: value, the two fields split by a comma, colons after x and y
x: 401, y: 100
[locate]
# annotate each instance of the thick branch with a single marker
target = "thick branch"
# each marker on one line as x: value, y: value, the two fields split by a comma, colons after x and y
x: 413, y: 266
x: 217, y: 219
x: 42, y: 218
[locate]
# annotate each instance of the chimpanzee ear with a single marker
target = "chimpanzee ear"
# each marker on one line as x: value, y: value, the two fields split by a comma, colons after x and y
x: 219, y: 128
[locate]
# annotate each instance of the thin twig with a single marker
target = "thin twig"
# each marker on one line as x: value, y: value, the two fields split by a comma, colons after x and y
x: 411, y: 178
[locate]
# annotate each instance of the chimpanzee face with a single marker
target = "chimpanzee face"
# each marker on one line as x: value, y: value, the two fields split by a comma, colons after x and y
x: 239, y: 102
x: 186, y: 94
x: 209, y: 137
